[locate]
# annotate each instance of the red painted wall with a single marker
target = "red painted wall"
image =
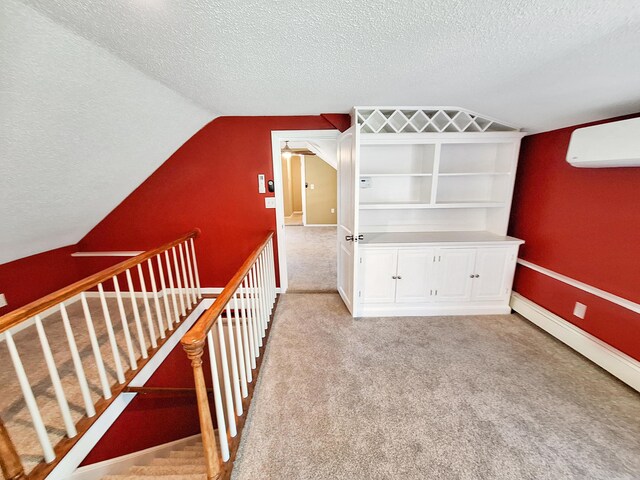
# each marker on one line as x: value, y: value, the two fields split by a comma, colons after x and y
x: 582, y: 223
x: 151, y: 420
x: 210, y: 183
x: 29, y: 278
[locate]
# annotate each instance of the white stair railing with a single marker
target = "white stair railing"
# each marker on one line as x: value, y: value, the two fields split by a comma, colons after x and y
x: 244, y: 307
x: 184, y: 275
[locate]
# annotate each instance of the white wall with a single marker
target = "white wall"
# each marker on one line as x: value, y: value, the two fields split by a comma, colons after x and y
x: 80, y: 129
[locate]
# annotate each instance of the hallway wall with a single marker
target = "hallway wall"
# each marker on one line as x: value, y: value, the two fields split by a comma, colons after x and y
x: 322, y: 191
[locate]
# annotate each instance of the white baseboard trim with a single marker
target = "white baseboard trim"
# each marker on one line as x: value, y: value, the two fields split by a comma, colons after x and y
x: 617, y: 363
x: 218, y: 290
x: 119, y: 465
x: 108, y: 254
x: 431, y: 309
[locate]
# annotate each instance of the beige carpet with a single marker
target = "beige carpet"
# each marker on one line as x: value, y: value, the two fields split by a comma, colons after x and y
x: 13, y: 410
x: 311, y: 258
x: 484, y: 397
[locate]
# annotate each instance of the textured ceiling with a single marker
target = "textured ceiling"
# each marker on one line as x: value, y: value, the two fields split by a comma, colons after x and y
x: 537, y: 64
x: 79, y: 130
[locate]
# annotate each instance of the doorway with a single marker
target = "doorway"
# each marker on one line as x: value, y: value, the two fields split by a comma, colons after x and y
x: 306, y: 204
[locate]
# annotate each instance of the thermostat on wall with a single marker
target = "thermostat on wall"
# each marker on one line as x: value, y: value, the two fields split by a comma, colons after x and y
x: 365, y: 182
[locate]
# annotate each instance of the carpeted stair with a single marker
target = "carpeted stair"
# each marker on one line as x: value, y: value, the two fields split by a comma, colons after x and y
x: 184, y: 463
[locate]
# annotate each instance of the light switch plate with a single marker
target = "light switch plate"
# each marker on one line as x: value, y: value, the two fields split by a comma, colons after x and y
x: 270, y: 202
x: 261, y: 186
x: 3, y: 300
x: 580, y: 310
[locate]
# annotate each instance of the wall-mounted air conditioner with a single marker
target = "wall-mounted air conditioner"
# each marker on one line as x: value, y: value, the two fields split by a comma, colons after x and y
x: 615, y: 144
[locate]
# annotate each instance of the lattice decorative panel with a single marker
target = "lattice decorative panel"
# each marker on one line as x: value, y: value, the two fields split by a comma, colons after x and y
x: 424, y: 119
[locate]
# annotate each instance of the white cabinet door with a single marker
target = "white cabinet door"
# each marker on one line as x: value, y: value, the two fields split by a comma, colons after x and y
x: 348, y: 180
x: 493, y: 273
x: 454, y: 269
x: 414, y: 274
x: 377, y: 275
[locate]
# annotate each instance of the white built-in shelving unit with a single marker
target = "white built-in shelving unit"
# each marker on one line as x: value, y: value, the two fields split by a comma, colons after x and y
x: 426, y: 170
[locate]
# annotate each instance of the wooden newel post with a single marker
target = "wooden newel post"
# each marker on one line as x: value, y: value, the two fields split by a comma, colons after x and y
x: 9, y: 459
x: 211, y: 457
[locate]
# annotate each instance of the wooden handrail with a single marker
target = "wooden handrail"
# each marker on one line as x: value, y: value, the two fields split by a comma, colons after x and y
x: 199, y: 331
x: 21, y: 314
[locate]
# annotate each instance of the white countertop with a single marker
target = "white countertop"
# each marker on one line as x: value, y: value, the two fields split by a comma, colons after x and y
x: 404, y: 238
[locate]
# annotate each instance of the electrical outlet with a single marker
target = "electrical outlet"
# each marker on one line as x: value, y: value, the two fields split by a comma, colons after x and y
x: 3, y: 300
x: 270, y: 202
x: 580, y: 310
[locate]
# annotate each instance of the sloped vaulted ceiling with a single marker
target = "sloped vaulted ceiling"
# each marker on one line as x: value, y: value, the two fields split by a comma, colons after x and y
x: 537, y: 64
x: 96, y: 94
x: 79, y: 130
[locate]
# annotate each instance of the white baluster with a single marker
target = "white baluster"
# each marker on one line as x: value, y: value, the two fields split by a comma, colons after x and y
x: 272, y: 265
x: 185, y: 280
x: 111, y: 335
x: 265, y: 287
x: 270, y: 296
x: 136, y: 316
x: 77, y: 363
x: 165, y: 294
x: 248, y: 315
x: 178, y: 281
x: 171, y: 287
x: 240, y: 349
x: 156, y: 300
x: 195, y: 267
x: 102, y: 374
x: 147, y: 308
x: 263, y: 303
x: 125, y: 324
x: 217, y: 399
x: 255, y: 313
x: 55, y: 380
x: 233, y: 359
x: 192, y: 285
x: 32, y: 406
x: 226, y: 381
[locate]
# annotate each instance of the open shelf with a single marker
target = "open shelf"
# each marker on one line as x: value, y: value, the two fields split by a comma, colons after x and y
x: 397, y: 159
x: 473, y: 174
x: 395, y: 189
x: 395, y: 174
x: 476, y: 158
x: 410, y: 205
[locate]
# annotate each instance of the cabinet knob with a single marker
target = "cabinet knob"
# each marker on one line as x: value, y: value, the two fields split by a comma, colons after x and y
x: 399, y: 277
x: 394, y: 277
x: 472, y: 276
x: 477, y: 275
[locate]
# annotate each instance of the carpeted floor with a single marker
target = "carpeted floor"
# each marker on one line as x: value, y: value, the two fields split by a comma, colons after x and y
x: 480, y: 397
x: 311, y: 258
x: 13, y: 410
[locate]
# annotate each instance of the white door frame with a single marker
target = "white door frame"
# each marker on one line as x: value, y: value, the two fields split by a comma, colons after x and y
x: 278, y: 136
x: 303, y: 189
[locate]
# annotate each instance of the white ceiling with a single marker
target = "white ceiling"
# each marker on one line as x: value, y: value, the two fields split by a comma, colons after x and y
x: 536, y: 64
x: 79, y: 131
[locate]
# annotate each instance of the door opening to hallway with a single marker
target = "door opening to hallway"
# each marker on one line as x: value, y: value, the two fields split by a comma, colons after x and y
x: 309, y: 187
